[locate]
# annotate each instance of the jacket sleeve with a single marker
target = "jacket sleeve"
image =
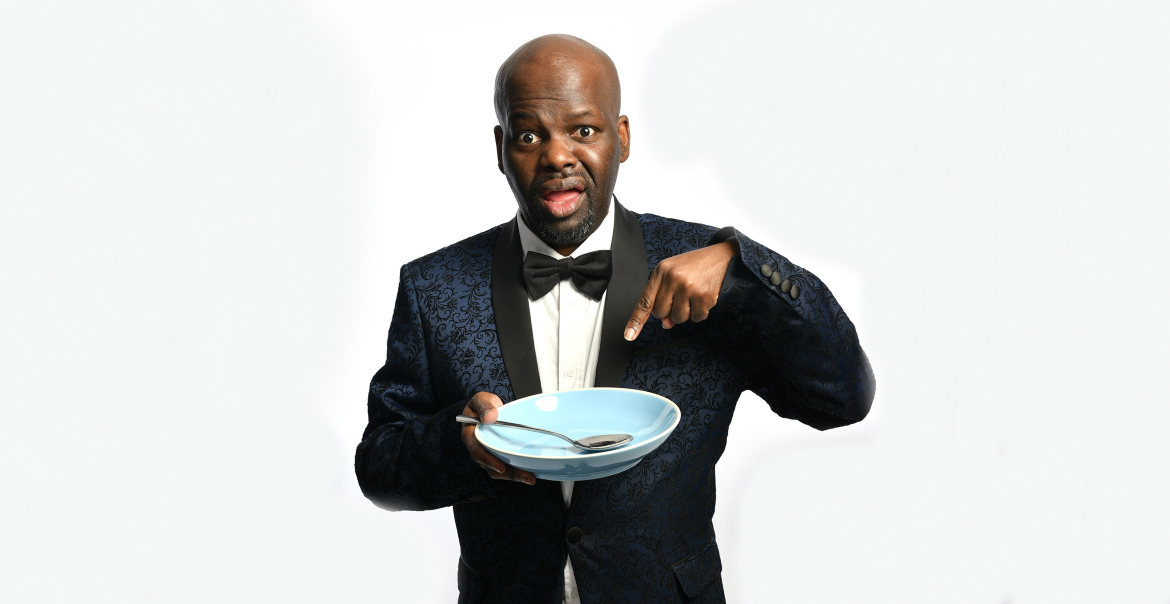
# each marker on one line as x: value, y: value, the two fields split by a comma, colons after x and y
x: 412, y: 456
x: 801, y: 350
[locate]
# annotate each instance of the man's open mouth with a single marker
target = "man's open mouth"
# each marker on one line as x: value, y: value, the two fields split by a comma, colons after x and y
x: 563, y: 195
x: 562, y: 202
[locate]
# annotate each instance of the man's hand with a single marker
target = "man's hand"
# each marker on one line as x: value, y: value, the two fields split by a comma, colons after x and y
x: 483, y: 405
x: 683, y: 288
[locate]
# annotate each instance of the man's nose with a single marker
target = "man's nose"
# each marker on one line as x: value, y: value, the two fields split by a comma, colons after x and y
x: 558, y: 154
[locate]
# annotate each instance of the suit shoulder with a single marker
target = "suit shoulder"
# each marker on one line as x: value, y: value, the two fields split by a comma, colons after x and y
x: 666, y: 237
x: 471, y: 257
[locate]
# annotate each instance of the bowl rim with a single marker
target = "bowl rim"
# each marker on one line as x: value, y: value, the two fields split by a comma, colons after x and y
x: 598, y: 454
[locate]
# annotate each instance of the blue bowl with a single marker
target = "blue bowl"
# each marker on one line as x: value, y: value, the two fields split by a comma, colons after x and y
x: 647, y: 417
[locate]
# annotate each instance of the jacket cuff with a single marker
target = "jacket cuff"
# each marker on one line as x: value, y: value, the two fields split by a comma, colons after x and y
x: 763, y: 266
x: 727, y: 233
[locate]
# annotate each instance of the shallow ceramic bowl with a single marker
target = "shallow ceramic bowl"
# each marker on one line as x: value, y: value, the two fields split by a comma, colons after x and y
x: 647, y: 417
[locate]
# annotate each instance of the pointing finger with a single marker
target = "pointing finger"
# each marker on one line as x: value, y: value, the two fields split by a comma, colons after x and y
x: 642, y: 308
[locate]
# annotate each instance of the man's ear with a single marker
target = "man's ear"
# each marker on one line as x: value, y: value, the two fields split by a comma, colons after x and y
x: 500, y: 148
x: 624, y: 135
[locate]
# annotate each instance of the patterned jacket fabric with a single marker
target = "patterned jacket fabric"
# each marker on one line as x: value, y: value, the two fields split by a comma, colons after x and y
x: 647, y: 532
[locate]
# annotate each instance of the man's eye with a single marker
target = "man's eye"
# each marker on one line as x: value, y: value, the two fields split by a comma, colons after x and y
x: 527, y: 138
x: 585, y: 131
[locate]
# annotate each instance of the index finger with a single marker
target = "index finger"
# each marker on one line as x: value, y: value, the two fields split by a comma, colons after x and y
x: 643, y: 307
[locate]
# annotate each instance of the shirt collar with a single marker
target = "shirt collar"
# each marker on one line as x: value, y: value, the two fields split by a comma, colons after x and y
x: 601, y: 239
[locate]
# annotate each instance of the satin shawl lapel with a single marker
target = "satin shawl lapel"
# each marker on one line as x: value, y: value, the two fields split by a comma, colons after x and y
x: 513, y: 322
x: 630, y: 270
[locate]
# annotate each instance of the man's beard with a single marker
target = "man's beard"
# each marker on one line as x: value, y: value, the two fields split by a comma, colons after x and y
x: 562, y: 238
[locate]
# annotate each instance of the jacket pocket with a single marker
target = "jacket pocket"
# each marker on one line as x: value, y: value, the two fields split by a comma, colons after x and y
x: 698, y: 570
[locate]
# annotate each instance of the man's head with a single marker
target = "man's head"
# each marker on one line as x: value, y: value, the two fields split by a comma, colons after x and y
x: 561, y: 136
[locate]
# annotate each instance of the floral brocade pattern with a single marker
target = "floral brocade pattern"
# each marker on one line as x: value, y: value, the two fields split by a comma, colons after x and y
x: 647, y: 532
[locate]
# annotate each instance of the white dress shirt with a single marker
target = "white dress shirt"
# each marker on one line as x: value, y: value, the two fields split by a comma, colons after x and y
x: 566, y: 333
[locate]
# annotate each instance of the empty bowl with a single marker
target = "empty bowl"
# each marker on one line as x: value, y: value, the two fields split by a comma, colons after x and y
x: 647, y: 417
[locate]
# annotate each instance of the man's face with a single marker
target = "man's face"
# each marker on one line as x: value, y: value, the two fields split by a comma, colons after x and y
x: 560, y: 148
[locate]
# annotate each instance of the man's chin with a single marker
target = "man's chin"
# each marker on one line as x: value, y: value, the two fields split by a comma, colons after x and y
x: 569, y: 230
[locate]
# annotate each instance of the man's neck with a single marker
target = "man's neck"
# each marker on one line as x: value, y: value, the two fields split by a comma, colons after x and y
x: 568, y: 251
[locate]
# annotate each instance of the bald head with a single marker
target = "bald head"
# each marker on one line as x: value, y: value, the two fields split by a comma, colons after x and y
x: 561, y: 63
x: 561, y: 137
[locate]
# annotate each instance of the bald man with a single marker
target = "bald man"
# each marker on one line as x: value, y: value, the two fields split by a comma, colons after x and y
x: 684, y: 310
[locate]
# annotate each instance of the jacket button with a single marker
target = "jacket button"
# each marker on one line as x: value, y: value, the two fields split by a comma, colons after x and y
x: 766, y: 270
x: 775, y: 279
x: 794, y: 292
x: 573, y: 535
x: 786, y: 286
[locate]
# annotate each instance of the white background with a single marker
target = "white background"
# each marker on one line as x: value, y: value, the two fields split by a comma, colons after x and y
x: 205, y: 205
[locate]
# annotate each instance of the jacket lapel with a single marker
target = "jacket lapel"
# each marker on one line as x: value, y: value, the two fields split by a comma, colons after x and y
x: 630, y: 271
x: 513, y: 323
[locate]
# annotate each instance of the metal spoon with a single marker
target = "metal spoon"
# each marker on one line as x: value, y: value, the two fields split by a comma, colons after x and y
x: 602, y: 442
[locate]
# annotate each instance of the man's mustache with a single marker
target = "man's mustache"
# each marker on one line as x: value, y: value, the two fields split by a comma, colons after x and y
x: 537, y: 184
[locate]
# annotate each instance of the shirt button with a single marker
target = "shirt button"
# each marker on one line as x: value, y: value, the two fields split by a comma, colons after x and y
x: 570, y: 372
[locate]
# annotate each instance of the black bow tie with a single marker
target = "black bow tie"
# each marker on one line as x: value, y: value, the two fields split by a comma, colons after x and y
x: 590, y: 273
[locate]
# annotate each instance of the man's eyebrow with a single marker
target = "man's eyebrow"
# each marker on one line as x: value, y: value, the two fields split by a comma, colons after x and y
x: 522, y: 115
x: 581, y: 114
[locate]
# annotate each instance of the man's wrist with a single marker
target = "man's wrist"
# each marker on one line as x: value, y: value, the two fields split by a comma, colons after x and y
x: 732, y: 246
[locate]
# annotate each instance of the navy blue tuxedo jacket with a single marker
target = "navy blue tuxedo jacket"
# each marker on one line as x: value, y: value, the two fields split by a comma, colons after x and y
x: 461, y: 325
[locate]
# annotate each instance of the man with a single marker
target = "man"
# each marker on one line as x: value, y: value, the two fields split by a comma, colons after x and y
x: 676, y: 308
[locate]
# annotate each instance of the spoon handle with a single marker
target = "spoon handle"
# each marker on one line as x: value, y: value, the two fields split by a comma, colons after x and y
x: 464, y: 419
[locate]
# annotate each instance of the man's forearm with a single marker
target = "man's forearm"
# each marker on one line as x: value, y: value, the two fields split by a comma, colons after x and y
x: 411, y: 455
x: 418, y: 463
x: 808, y: 362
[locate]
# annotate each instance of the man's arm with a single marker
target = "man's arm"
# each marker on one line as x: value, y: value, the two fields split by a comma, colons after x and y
x: 412, y: 456
x: 785, y: 325
x: 812, y: 368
